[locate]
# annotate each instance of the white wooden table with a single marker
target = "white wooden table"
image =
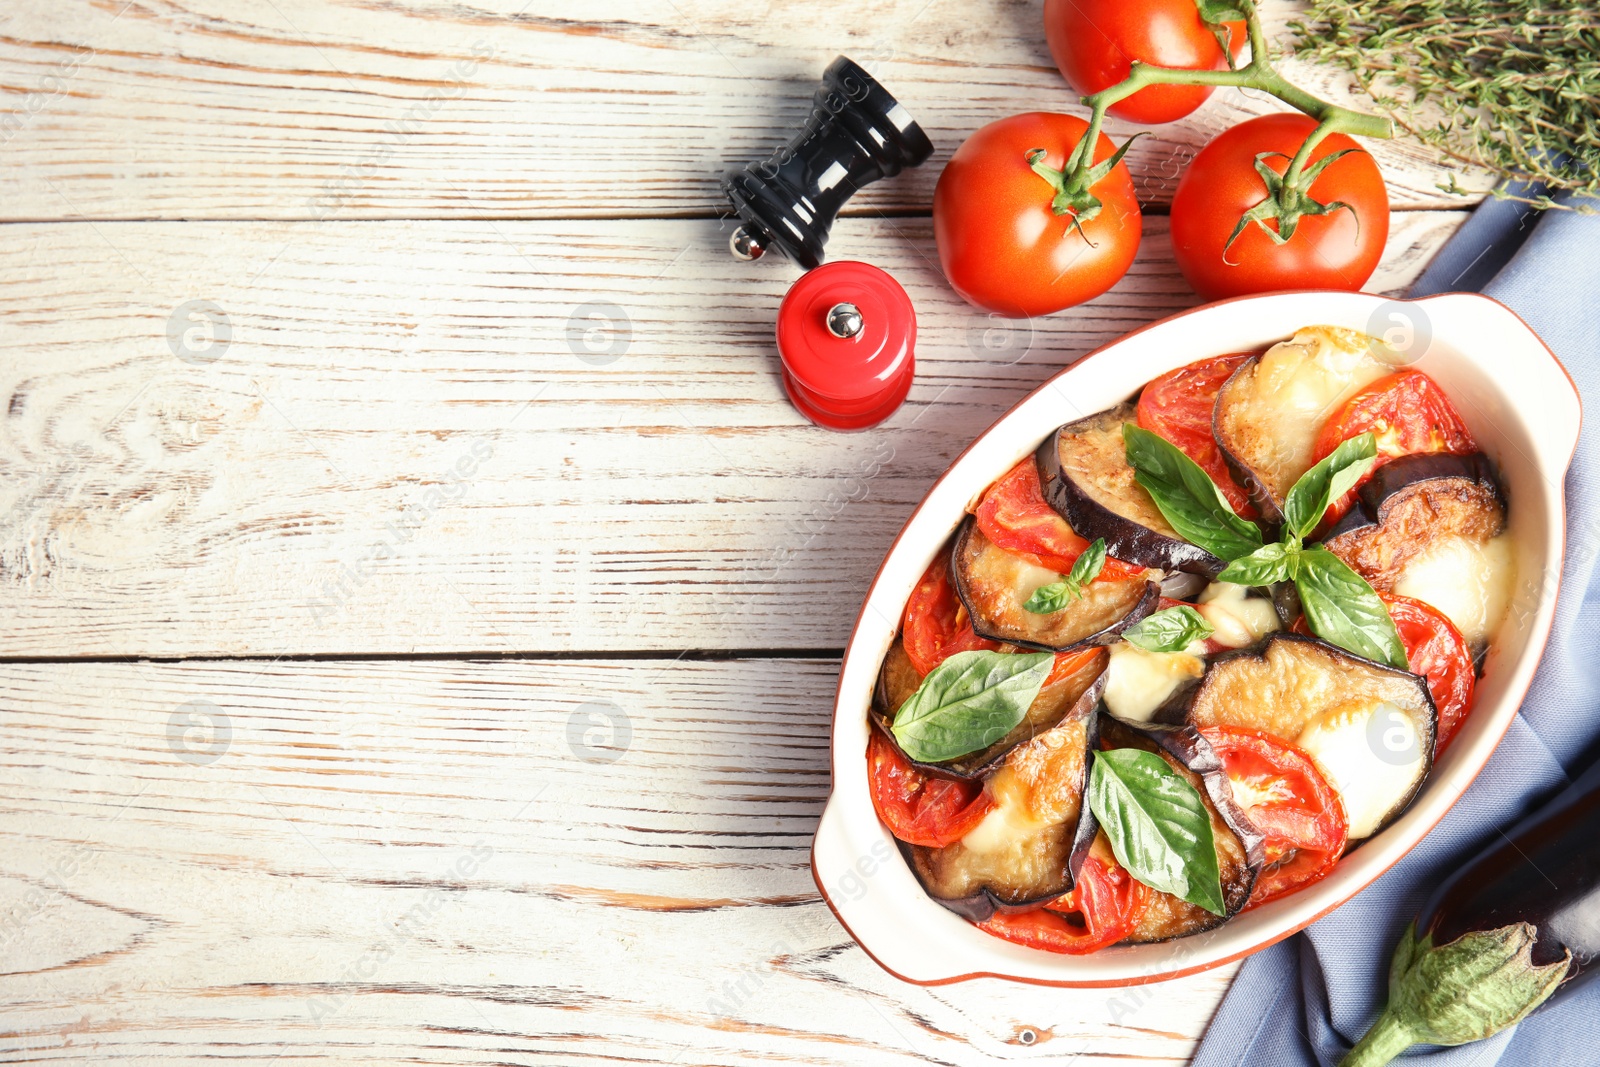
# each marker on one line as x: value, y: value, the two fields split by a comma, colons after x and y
x: 398, y: 665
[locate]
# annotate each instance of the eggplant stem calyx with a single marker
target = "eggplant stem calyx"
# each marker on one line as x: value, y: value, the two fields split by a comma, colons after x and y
x: 1465, y: 990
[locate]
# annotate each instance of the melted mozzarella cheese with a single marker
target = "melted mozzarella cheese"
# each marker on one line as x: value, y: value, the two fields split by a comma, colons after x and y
x: 1305, y: 378
x: 1469, y: 581
x: 1371, y: 754
x: 1139, y: 682
x: 1009, y: 821
x: 1028, y: 577
x: 1239, y: 619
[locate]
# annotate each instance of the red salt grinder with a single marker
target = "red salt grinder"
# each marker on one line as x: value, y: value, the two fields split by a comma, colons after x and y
x: 847, y: 335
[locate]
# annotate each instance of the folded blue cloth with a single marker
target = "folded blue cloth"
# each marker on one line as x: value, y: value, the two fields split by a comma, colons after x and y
x: 1306, y: 1000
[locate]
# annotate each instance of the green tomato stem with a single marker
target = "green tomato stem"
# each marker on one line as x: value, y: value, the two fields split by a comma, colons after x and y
x: 1258, y: 74
x: 1387, y: 1039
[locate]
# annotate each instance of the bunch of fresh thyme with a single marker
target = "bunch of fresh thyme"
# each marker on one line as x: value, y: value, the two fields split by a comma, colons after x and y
x: 1508, y: 85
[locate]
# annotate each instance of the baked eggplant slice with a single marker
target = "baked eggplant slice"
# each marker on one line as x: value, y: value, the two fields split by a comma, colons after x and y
x: 993, y: 584
x: 1027, y: 850
x: 1240, y: 853
x: 1412, y: 502
x: 1370, y: 727
x: 1059, y: 697
x: 1084, y: 472
x: 1271, y: 409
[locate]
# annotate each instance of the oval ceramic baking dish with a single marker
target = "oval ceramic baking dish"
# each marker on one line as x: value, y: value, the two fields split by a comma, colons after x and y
x: 1522, y: 408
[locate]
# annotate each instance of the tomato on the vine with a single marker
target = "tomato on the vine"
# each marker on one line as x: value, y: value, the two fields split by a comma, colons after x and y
x: 1178, y: 406
x: 1101, y: 909
x: 1336, y: 250
x: 1287, y: 798
x: 918, y: 808
x: 1094, y: 42
x: 1001, y: 244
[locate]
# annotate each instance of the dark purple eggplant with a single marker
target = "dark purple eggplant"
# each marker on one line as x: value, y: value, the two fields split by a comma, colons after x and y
x: 993, y: 584
x: 1411, y: 502
x: 1085, y: 476
x: 1058, y: 699
x: 1043, y: 779
x: 1240, y: 848
x: 1523, y: 917
x: 1333, y: 705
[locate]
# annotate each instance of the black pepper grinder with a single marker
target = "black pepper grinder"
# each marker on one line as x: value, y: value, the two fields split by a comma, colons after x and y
x: 856, y: 133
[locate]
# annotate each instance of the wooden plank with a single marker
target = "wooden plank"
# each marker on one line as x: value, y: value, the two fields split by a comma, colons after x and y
x: 405, y: 444
x: 514, y: 108
x: 436, y: 862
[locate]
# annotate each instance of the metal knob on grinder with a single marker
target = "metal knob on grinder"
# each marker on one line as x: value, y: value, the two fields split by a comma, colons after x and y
x: 847, y: 335
x: 856, y: 133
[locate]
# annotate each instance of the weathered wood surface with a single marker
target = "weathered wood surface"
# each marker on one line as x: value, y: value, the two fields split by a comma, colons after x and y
x: 409, y: 436
x: 460, y: 863
x: 535, y: 411
x: 191, y: 109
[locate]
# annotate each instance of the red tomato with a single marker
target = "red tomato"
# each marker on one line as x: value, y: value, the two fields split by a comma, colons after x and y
x: 935, y: 625
x: 1436, y: 650
x: 1102, y: 909
x: 1000, y: 244
x: 1178, y: 407
x: 1339, y: 250
x: 1408, y: 413
x: 918, y: 808
x: 1015, y: 517
x: 1287, y: 798
x: 1067, y: 664
x: 1095, y: 41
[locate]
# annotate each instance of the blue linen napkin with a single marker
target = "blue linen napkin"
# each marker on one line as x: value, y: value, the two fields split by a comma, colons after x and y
x: 1306, y: 1000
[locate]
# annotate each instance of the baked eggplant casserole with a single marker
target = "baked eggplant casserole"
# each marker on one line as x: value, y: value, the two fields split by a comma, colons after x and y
x: 1195, y: 648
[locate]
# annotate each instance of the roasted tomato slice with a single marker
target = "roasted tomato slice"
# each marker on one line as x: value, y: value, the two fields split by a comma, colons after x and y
x: 1436, y: 650
x: 935, y: 625
x: 1101, y: 909
x: 1287, y: 798
x: 1408, y: 413
x: 1014, y: 515
x: 1069, y: 663
x: 918, y: 808
x: 1178, y: 407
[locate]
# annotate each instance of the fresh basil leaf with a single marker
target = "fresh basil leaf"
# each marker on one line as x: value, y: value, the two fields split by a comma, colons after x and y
x: 1157, y: 824
x: 1169, y: 630
x: 1343, y: 609
x: 1087, y: 567
x: 1267, y: 564
x: 1049, y: 599
x: 1186, y: 496
x: 969, y: 702
x: 1330, y: 479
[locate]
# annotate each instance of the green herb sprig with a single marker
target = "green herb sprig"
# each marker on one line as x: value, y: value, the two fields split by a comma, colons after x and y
x: 1049, y: 599
x: 1506, y: 85
x: 1340, y: 605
